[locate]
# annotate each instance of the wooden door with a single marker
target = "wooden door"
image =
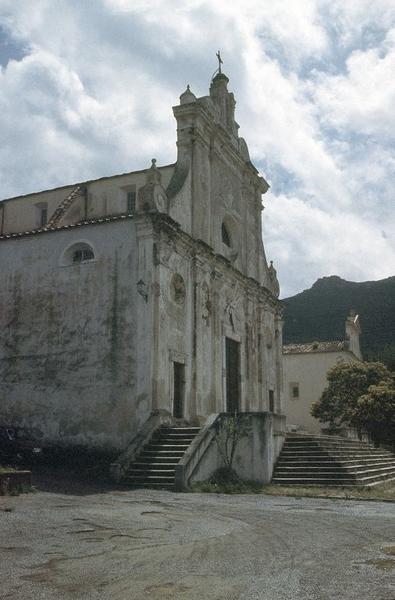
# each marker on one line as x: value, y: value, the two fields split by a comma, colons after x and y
x: 179, y: 384
x: 232, y: 350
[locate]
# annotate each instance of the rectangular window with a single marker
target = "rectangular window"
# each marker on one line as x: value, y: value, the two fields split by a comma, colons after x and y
x: 43, y: 217
x: 271, y: 400
x: 294, y: 391
x: 131, y: 201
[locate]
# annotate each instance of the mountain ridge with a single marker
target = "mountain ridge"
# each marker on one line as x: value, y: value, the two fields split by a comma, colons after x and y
x: 319, y: 314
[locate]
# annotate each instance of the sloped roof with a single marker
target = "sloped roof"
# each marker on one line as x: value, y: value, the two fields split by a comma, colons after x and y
x: 311, y: 347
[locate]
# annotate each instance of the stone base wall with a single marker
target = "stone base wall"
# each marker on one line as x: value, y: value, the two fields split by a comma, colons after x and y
x: 255, y: 455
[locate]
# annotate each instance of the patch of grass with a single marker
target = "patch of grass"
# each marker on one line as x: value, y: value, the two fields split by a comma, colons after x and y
x: 226, y: 481
x: 243, y: 487
x: 8, y: 469
x: 22, y: 488
x: 384, y: 491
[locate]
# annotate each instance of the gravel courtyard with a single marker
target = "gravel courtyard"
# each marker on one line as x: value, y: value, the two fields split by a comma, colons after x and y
x: 100, y: 543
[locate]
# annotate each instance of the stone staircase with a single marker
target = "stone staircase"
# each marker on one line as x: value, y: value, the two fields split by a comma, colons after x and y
x: 331, y: 461
x: 154, y: 467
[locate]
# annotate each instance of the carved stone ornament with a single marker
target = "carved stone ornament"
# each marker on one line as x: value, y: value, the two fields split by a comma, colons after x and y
x: 274, y: 284
x: 152, y: 196
x: 205, y: 303
x: 231, y: 308
x: 178, y: 290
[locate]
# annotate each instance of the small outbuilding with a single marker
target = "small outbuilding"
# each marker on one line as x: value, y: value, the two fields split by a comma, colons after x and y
x: 305, y: 373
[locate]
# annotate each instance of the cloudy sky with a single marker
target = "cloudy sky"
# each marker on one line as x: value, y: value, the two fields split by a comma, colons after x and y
x: 86, y: 89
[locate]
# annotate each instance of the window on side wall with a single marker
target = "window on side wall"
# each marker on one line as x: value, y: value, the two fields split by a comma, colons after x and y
x: 78, y: 253
x: 42, y: 214
x: 83, y: 254
x: 44, y: 217
x: 294, y: 389
x: 271, y: 400
x: 130, y: 195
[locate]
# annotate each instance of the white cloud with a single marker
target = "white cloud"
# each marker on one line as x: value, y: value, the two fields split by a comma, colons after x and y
x: 350, y: 18
x: 301, y: 238
x: 94, y: 95
x: 363, y: 99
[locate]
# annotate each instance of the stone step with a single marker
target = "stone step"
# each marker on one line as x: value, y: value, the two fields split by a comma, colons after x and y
x: 323, y: 453
x: 172, y: 441
x: 180, y: 430
x: 155, y: 465
x: 306, y: 480
x: 167, y: 447
x: 325, y: 463
x: 145, y: 478
x: 359, y: 470
x: 320, y: 437
x: 165, y: 455
x: 150, y: 466
x: 319, y: 460
x: 339, y: 475
x: 335, y: 447
x: 323, y: 481
x: 311, y: 446
x: 148, y: 485
x: 137, y: 472
x: 155, y: 459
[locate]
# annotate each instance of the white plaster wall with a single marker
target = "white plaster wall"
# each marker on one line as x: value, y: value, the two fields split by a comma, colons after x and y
x: 309, y: 370
x: 218, y: 303
x: 106, y: 196
x: 69, y: 357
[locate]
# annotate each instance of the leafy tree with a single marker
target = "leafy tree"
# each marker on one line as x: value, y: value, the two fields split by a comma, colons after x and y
x: 386, y: 355
x: 359, y: 395
x: 376, y: 411
x: 231, y: 429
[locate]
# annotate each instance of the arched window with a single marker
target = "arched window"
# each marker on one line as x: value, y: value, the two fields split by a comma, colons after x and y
x: 82, y: 254
x: 77, y: 253
x: 225, y: 236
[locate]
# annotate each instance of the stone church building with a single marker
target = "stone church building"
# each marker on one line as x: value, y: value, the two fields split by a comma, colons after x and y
x: 142, y: 291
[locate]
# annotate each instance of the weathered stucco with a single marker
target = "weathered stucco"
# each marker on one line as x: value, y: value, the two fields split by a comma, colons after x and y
x: 69, y: 351
x: 309, y: 371
x: 89, y: 348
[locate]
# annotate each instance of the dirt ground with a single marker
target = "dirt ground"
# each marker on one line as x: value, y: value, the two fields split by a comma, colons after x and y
x: 72, y: 540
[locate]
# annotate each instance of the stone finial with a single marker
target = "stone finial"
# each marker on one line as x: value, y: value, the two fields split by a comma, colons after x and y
x: 187, y: 97
x: 353, y: 331
x: 274, y: 284
x: 153, y: 173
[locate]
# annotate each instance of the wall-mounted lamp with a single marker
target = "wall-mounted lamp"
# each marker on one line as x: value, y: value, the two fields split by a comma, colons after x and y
x: 142, y: 289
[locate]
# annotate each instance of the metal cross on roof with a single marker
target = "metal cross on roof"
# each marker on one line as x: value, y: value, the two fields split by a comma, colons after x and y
x: 220, y: 61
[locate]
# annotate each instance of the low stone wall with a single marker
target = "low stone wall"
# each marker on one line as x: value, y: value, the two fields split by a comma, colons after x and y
x: 255, y: 454
x: 12, y: 480
x: 350, y: 433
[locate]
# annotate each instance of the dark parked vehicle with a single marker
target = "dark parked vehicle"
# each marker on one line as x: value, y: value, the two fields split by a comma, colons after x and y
x: 17, y: 444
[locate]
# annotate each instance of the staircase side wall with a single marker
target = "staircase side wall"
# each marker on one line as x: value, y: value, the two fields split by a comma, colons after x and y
x: 255, y: 455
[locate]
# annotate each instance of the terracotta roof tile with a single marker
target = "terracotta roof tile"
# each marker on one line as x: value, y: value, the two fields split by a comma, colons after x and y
x: 311, y: 347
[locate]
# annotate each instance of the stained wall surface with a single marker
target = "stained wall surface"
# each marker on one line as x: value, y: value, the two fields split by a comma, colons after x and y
x: 69, y: 352
x: 308, y: 371
x: 91, y: 349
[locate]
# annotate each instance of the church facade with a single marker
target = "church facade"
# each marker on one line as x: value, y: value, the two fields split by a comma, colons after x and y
x: 140, y: 292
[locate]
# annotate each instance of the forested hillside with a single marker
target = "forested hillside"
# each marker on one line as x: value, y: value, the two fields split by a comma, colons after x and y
x: 319, y: 313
